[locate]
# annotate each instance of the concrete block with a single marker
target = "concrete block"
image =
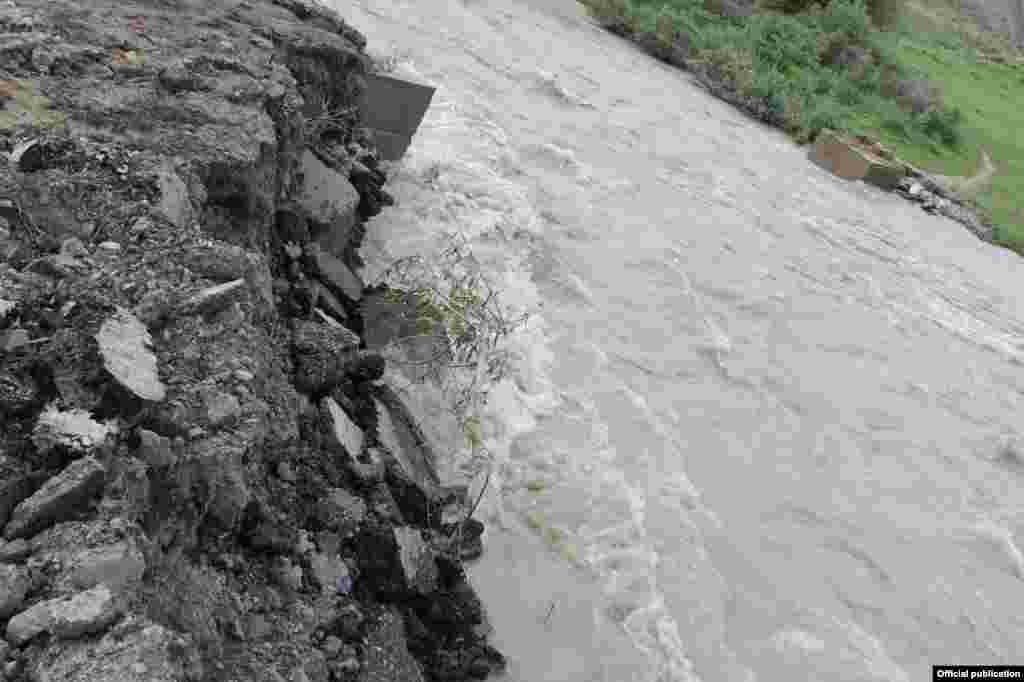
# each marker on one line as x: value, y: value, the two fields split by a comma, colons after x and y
x: 394, y: 105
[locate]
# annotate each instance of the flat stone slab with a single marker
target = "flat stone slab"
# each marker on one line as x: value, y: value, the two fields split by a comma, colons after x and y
x: 330, y: 202
x: 58, y: 499
x: 851, y: 160
x: 347, y: 434
x: 336, y: 274
x: 68, y: 618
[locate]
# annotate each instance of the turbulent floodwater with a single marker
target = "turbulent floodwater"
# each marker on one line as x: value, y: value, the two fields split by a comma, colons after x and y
x: 774, y: 413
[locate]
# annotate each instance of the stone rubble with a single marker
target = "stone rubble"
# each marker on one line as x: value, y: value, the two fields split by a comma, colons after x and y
x: 218, y: 501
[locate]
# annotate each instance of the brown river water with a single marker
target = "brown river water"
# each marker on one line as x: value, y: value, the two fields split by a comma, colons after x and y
x: 773, y: 414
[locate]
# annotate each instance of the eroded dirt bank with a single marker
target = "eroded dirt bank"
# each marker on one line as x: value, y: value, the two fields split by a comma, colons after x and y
x: 192, y: 480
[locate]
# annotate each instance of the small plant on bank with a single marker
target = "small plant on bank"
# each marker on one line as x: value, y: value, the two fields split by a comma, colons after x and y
x: 458, y: 315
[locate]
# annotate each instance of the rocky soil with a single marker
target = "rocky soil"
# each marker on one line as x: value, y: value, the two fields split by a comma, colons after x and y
x: 194, y: 483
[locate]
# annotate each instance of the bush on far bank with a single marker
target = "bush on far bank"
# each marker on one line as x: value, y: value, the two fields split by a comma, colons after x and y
x: 817, y: 67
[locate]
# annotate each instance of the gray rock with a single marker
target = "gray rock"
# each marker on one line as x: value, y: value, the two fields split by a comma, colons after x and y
x: 221, y: 408
x: 115, y: 566
x: 286, y: 473
x: 332, y: 646
x: 335, y: 274
x: 16, y: 487
x: 67, y: 618
x: 287, y: 574
x: 321, y: 353
x: 417, y: 560
x: 15, y: 550
x: 918, y: 95
x: 340, y: 510
x: 155, y: 450
x: 397, y: 560
x: 331, y: 305
x: 174, y: 205
x: 847, y: 56
x: 141, y: 652
x: 215, y: 298
x: 219, y: 261
x: 342, y: 432
x: 736, y: 9
x: 404, y: 440
x: 58, y: 499
x: 387, y: 652
x: 385, y: 320
x: 330, y: 202
x: 15, y: 584
x: 326, y: 571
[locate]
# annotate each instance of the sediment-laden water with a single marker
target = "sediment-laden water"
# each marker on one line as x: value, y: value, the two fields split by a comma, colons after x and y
x: 762, y: 425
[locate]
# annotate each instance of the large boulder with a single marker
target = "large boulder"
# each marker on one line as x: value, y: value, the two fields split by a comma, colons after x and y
x: 1005, y: 17
x: 916, y: 95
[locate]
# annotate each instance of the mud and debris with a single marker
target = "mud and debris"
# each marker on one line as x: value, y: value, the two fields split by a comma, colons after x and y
x: 194, y: 484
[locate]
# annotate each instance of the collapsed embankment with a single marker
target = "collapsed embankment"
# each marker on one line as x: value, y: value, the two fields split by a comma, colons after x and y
x: 193, y: 480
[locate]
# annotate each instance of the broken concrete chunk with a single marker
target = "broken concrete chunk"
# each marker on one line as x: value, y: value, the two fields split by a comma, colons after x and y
x: 345, y: 433
x: 335, y: 274
x: 14, y: 587
x: 125, y: 345
x: 393, y: 104
x: 67, y: 618
x: 213, y: 299
x: 60, y: 498
x: 330, y: 201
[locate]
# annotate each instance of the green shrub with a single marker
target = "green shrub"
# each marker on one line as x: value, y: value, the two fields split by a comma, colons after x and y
x: 783, y: 42
x: 847, y: 17
x: 943, y: 125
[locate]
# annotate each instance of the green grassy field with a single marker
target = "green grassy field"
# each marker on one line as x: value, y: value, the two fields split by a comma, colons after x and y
x: 778, y: 57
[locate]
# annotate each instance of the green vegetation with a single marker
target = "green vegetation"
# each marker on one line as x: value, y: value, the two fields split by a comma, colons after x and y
x: 785, y: 56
